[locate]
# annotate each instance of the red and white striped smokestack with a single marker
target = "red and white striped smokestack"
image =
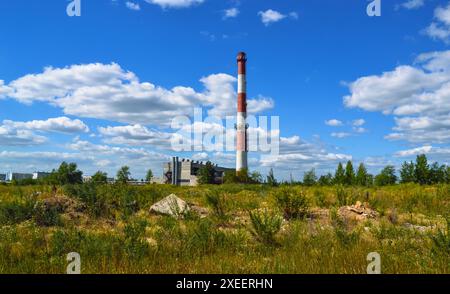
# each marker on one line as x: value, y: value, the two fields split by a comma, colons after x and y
x: 241, y: 126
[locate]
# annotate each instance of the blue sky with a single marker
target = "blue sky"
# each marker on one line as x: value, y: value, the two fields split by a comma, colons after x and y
x: 101, y: 89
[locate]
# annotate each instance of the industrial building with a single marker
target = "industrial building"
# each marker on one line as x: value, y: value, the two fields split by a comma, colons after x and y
x: 185, y: 172
x: 2, y: 178
x: 40, y: 175
x: 11, y: 176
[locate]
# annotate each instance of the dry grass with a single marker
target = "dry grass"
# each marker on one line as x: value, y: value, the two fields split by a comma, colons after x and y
x: 112, y: 230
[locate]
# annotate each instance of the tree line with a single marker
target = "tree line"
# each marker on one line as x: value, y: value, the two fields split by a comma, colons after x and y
x: 420, y: 172
x: 68, y: 173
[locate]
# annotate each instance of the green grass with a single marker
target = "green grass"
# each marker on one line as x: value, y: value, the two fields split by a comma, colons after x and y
x: 243, y: 233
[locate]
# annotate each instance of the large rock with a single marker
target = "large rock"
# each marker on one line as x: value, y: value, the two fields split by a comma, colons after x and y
x: 171, y: 205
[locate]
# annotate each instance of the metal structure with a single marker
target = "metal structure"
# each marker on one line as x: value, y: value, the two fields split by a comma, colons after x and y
x: 241, y: 126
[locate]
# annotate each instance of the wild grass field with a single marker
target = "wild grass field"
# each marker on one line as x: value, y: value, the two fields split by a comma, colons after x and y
x: 231, y: 229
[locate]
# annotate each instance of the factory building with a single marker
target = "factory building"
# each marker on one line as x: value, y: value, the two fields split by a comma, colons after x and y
x: 40, y: 175
x: 185, y: 172
x: 11, y: 176
x: 2, y: 178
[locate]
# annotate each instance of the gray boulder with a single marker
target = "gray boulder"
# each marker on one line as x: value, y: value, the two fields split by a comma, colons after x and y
x: 171, y: 205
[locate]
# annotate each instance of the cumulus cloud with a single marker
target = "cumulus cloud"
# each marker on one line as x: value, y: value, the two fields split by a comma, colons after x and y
x: 135, y: 135
x: 106, y: 91
x: 10, y: 136
x: 133, y: 6
x: 174, y: 3
x: 4, y: 90
x: 334, y: 123
x: 439, y: 29
x: 296, y: 154
x: 272, y: 16
x: 418, y: 96
x: 440, y: 154
x: 231, y: 13
x: 58, y: 124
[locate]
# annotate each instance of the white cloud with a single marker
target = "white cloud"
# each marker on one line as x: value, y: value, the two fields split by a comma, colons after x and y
x: 4, y: 90
x: 418, y: 96
x: 58, y: 124
x: 299, y: 155
x: 358, y: 122
x: 334, y: 123
x: 440, y: 28
x: 414, y: 151
x: 272, y: 16
x: 411, y: 4
x: 10, y: 136
x: 106, y: 91
x: 231, y: 13
x: 174, y: 3
x: 133, y: 6
x: 135, y: 135
x: 341, y: 135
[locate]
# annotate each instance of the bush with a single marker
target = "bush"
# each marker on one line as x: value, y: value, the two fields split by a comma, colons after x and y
x: 265, y: 225
x: 16, y: 211
x: 342, y: 196
x: 88, y: 193
x: 46, y: 216
x: 135, y: 244
x: 441, y: 241
x: 293, y: 204
x: 217, y: 201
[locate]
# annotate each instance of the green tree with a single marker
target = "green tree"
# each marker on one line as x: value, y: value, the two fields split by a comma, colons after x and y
x: 123, y: 175
x: 68, y: 173
x: 149, y: 175
x: 422, y: 170
x: 386, y: 177
x: 100, y: 178
x: 310, y: 178
x: 256, y: 177
x: 206, y: 174
x: 339, y: 176
x: 349, y: 174
x: 243, y: 176
x: 326, y: 180
x: 271, y: 180
x: 407, y: 173
x: 447, y: 175
x: 362, y: 176
x: 437, y: 173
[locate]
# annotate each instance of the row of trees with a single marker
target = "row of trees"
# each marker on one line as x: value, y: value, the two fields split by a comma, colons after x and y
x: 68, y: 173
x: 419, y: 172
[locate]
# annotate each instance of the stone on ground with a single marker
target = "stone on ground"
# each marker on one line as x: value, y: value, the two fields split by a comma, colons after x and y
x: 171, y: 205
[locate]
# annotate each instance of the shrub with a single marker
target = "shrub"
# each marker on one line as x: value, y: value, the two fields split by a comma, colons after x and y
x: 341, y: 196
x: 46, y: 216
x: 16, y: 211
x: 441, y: 241
x: 293, y: 204
x: 135, y: 244
x: 265, y: 225
x: 217, y: 201
x: 96, y: 203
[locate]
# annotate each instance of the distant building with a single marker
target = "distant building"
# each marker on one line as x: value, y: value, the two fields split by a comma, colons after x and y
x: 185, y: 172
x: 2, y: 177
x: 87, y: 179
x: 17, y: 176
x: 40, y: 175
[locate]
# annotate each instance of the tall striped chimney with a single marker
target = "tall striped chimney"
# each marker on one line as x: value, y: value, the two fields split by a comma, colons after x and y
x: 241, y: 126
